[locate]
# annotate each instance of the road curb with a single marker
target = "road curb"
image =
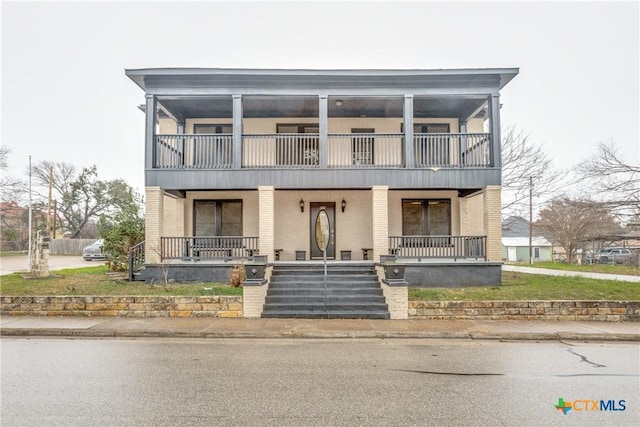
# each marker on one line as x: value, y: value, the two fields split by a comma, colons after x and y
x: 132, y: 333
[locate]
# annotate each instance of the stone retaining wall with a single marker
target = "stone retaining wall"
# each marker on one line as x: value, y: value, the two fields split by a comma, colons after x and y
x: 231, y: 306
x: 609, y: 311
x: 133, y: 306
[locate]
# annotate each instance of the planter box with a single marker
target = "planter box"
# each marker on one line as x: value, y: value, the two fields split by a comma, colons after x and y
x: 345, y: 255
x: 254, y: 271
x: 394, y: 271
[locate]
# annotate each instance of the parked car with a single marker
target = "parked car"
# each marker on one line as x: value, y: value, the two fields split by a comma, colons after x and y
x: 93, y: 251
x: 613, y: 255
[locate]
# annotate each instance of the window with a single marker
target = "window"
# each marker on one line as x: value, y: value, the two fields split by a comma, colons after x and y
x: 431, y: 150
x: 217, y: 218
x: 424, y: 217
x: 362, y: 146
x: 209, y: 128
x: 294, y: 148
x: 212, y: 150
x: 536, y: 252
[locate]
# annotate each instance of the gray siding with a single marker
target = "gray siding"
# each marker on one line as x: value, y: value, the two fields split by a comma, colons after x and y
x: 323, y: 178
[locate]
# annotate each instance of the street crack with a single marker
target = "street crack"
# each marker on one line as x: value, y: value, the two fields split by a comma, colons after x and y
x: 584, y: 359
x: 464, y: 374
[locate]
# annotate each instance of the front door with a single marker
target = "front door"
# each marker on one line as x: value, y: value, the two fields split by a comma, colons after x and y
x: 330, y: 209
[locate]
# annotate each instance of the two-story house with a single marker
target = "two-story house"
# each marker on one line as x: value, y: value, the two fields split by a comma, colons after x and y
x: 250, y: 162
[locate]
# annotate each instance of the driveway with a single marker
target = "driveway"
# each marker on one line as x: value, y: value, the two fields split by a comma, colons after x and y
x: 11, y: 264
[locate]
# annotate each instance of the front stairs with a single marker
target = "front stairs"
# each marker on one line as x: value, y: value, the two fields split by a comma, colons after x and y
x: 297, y: 290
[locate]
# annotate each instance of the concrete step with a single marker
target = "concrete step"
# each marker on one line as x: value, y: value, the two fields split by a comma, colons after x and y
x: 320, y: 305
x: 331, y: 299
x: 297, y: 284
x: 309, y: 290
x: 298, y: 291
x: 333, y: 314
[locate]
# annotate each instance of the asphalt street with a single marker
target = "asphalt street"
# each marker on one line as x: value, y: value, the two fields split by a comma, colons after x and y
x: 293, y: 382
x: 12, y: 264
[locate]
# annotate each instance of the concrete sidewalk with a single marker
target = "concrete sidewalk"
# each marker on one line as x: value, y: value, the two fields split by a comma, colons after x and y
x: 550, y: 272
x: 162, y: 327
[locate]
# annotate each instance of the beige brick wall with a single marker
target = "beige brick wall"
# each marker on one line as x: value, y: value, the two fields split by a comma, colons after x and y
x: 472, y: 215
x: 352, y: 227
x: 380, y: 215
x: 397, y: 300
x: 266, y: 221
x: 253, y: 298
x: 492, y: 222
x: 154, y: 227
x: 173, y: 216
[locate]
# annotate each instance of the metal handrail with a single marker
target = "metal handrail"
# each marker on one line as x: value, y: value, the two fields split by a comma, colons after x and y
x: 135, y: 259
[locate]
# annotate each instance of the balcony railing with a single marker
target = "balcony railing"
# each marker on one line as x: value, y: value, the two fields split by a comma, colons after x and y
x: 209, y: 247
x: 452, y: 149
x: 302, y: 150
x: 299, y: 150
x: 201, y: 151
x: 365, y: 150
x: 456, y: 247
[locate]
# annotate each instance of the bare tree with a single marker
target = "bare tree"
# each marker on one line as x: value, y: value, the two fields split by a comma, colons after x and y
x: 617, y: 181
x: 11, y: 189
x: 524, y: 163
x: 571, y: 223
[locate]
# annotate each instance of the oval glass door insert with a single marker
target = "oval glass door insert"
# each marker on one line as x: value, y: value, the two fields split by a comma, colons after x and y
x: 322, y: 230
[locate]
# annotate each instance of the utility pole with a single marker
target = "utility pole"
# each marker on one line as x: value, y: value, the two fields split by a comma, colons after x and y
x: 530, y: 220
x: 49, y: 203
x: 30, y: 215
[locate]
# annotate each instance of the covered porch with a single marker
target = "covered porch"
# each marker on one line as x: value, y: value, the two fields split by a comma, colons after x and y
x: 277, y: 225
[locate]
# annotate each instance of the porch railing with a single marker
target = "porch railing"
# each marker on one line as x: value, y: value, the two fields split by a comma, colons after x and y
x: 302, y: 150
x: 469, y: 247
x: 452, y: 149
x: 198, y: 151
x: 208, y: 247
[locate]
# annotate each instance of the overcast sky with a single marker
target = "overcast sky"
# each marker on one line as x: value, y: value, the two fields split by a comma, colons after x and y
x: 65, y: 96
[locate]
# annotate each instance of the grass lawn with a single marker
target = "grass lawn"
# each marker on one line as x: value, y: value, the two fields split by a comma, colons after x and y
x: 515, y: 286
x: 98, y: 281
x: 519, y: 286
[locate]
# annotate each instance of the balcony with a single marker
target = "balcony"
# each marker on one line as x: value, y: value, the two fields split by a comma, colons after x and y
x: 305, y: 151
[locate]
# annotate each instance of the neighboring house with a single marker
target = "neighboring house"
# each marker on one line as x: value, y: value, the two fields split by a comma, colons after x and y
x: 244, y: 162
x: 516, y: 249
x: 515, y: 226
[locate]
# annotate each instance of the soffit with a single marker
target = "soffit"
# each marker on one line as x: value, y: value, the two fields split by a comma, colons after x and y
x: 301, y: 106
